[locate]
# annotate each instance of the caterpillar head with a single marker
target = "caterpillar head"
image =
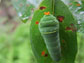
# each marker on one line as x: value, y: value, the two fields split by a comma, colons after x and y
x: 48, y: 24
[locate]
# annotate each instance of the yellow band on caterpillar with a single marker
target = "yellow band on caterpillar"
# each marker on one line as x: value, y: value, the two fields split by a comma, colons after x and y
x: 49, y: 32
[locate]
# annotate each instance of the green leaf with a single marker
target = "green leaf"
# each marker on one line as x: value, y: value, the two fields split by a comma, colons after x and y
x: 23, y: 8
x: 68, y: 38
x: 77, y: 8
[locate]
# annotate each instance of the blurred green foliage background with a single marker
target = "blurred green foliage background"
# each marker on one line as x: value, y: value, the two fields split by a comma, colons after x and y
x: 14, y: 38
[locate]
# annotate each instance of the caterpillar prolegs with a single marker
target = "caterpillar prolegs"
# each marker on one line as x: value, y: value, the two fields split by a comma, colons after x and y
x: 49, y: 29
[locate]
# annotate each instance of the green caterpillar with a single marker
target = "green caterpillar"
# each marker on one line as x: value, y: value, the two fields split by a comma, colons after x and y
x: 49, y: 29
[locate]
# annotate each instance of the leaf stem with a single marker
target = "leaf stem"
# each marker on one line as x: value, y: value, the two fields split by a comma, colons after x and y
x: 53, y: 1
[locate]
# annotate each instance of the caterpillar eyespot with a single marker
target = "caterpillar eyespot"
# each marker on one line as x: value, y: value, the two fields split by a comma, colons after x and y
x: 49, y: 29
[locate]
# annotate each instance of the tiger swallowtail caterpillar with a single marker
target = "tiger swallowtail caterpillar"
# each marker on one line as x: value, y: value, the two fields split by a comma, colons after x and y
x: 49, y: 29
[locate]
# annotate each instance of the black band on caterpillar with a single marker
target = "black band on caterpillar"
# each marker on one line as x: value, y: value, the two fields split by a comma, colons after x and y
x: 49, y: 28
